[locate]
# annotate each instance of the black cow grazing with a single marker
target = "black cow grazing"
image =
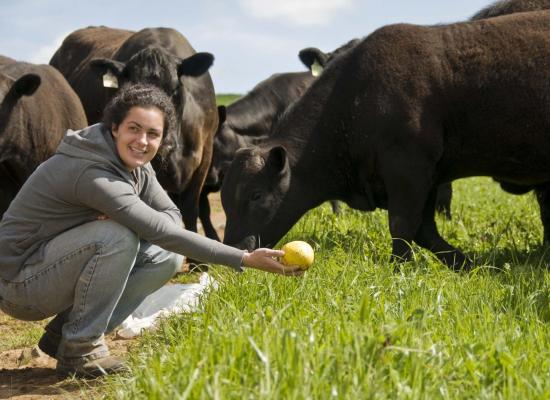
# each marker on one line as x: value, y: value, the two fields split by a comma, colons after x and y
x: 316, y: 60
x: 37, y: 107
x: 406, y: 109
x: 246, y: 122
x: 97, y: 60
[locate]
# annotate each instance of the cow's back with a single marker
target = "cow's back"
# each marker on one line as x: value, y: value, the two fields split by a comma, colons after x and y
x: 167, y: 38
x: 505, y: 7
x: 73, y: 57
x: 457, y: 89
x: 6, y: 60
x: 34, y: 126
x: 45, y: 116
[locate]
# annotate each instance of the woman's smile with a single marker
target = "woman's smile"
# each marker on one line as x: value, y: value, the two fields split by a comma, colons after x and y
x: 139, y: 136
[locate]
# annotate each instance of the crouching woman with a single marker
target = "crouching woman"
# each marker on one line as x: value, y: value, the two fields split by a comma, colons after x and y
x: 92, y: 233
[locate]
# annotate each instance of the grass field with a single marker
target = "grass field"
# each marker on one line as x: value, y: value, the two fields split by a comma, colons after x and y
x: 357, y: 327
x: 226, y: 99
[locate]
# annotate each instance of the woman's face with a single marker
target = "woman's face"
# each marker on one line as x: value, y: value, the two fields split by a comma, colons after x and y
x: 138, y: 136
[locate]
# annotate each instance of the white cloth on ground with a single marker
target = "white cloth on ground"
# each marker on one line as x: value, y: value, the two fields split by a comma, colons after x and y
x: 169, y: 299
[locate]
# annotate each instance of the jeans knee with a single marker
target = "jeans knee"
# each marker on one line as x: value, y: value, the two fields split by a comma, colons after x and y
x: 170, y: 263
x: 113, y: 233
x: 176, y: 261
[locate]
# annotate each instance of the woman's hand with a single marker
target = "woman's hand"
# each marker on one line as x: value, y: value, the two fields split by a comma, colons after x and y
x: 263, y: 259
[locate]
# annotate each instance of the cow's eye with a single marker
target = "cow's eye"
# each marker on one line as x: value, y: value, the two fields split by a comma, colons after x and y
x: 256, y: 196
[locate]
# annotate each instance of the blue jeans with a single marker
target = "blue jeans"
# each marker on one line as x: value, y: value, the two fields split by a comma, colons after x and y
x: 92, y: 277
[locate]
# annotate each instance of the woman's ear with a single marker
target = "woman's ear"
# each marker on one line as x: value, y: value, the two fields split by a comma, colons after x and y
x: 114, y: 130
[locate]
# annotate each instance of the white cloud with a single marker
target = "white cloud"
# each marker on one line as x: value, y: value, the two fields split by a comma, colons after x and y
x: 299, y: 12
x: 44, y: 53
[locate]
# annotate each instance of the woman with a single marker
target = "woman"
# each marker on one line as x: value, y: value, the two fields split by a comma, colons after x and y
x: 92, y: 233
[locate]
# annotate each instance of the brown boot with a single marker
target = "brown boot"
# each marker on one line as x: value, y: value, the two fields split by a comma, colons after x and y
x: 92, y: 369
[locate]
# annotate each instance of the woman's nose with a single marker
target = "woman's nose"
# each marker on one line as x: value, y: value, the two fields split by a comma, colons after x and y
x: 142, y: 138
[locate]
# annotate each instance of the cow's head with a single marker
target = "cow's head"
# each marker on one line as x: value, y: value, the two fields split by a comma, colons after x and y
x: 253, y: 195
x: 155, y: 66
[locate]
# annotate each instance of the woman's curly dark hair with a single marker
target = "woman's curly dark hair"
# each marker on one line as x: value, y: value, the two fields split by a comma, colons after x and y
x: 146, y: 96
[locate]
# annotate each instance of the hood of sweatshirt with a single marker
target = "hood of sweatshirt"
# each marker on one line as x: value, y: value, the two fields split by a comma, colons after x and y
x: 94, y: 143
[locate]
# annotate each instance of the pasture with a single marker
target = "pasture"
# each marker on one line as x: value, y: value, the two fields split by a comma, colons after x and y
x: 356, y: 327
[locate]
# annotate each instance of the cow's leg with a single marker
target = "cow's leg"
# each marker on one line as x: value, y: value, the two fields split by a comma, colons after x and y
x: 407, y: 190
x: 428, y: 237
x: 335, y: 205
x: 189, y: 210
x: 543, y: 198
x: 188, y: 205
x: 443, y: 202
x: 204, y: 215
x: 190, y: 198
x: 411, y: 206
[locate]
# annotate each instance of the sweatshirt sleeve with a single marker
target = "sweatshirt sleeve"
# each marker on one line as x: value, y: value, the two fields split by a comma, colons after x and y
x: 108, y: 193
x: 156, y: 197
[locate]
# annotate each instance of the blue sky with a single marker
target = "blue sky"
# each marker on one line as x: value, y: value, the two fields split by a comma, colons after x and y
x: 250, y: 39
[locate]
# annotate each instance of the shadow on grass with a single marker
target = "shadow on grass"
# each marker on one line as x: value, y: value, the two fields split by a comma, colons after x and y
x: 36, y: 381
x: 508, y: 258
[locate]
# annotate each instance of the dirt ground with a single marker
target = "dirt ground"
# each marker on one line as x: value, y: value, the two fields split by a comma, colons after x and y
x: 27, y: 373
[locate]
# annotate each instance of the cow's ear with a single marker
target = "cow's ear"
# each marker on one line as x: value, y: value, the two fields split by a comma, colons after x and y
x: 26, y: 85
x: 109, y: 70
x: 222, y: 114
x: 196, y: 65
x: 277, y: 159
x: 103, y: 65
x: 313, y: 58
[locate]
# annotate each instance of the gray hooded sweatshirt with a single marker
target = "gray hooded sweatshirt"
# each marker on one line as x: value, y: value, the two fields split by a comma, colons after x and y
x: 86, y: 179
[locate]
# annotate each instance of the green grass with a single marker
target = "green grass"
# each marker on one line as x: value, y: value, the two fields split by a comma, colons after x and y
x: 15, y: 334
x: 357, y: 327
x: 226, y: 99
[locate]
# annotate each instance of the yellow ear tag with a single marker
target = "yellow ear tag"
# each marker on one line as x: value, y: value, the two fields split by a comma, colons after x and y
x: 109, y: 80
x: 316, y: 68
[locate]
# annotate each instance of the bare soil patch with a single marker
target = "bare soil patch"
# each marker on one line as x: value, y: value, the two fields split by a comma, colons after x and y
x: 27, y: 373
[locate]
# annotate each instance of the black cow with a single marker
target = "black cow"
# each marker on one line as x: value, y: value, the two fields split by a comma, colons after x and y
x: 246, y: 122
x: 37, y: 106
x: 406, y: 109
x: 316, y: 60
x: 95, y: 57
x: 505, y: 7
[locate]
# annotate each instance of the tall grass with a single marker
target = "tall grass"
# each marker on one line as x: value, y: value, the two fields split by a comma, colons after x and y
x: 357, y: 327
